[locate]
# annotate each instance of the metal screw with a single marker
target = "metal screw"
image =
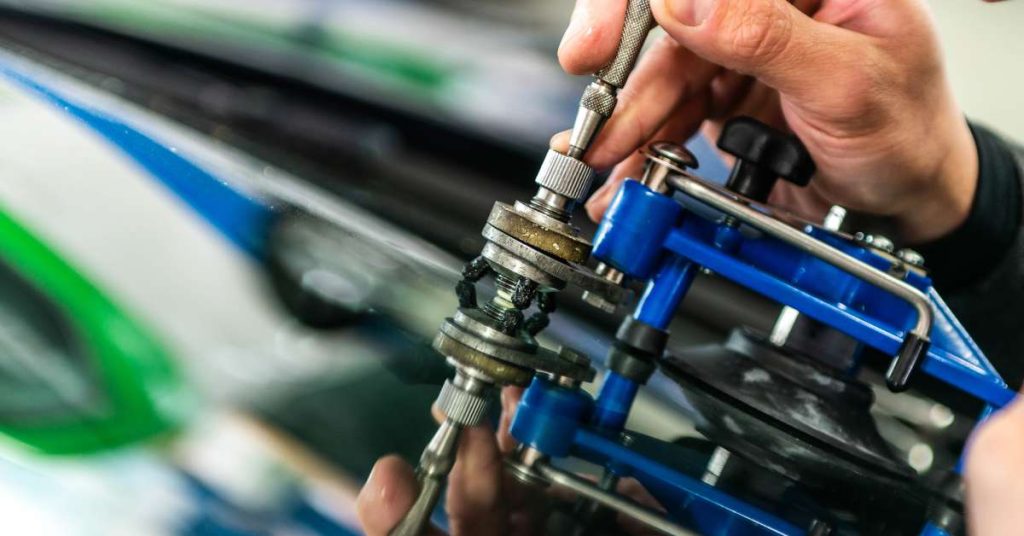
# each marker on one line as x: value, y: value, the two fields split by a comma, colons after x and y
x: 834, y: 219
x: 910, y: 257
x: 675, y: 153
x: 665, y: 158
x: 597, y: 299
x: 878, y: 242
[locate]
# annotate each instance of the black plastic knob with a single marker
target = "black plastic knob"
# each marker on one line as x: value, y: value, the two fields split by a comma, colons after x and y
x: 763, y: 155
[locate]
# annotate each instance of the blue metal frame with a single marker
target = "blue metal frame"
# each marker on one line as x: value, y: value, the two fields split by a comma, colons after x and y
x: 651, y: 237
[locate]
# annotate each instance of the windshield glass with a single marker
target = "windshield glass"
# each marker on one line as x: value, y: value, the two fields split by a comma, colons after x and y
x: 485, y: 64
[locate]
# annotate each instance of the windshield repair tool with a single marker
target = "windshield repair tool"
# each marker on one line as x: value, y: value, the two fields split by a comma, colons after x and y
x: 532, y: 253
x: 789, y: 444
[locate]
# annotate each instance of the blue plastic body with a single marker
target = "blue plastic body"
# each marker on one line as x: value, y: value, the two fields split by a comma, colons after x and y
x: 613, y: 402
x: 549, y: 415
x: 666, y: 291
x: 639, y: 220
x: 646, y: 238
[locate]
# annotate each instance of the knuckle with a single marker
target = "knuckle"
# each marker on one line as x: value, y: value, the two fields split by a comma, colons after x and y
x: 756, y: 32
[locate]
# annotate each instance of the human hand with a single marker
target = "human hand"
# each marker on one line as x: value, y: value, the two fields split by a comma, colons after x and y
x: 860, y: 82
x: 994, y: 474
x: 481, y: 498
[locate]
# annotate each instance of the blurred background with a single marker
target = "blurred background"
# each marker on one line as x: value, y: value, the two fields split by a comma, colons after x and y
x: 229, y: 230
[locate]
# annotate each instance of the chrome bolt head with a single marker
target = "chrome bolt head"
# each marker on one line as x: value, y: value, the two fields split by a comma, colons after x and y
x: 675, y: 153
x: 878, y: 242
x: 910, y: 257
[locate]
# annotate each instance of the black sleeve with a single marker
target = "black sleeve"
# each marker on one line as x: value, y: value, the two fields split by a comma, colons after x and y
x: 979, y: 267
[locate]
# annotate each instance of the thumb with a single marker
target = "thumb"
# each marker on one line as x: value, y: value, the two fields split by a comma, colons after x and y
x: 768, y: 39
x: 388, y: 494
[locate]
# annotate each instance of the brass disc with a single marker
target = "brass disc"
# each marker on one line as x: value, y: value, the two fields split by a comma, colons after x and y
x: 555, y: 242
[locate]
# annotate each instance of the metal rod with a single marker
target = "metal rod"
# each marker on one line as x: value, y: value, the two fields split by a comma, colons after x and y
x: 653, y: 519
x: 799, y: 239
x: 436, y: 462
x: 716, y: 466
x: 463, y: 406
x: 783, y: 326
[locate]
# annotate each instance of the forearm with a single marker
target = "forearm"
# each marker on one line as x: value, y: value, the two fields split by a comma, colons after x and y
x: 979, y: 267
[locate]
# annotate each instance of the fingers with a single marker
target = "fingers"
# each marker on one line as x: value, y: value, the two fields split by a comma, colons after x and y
x: 387, y: 496
x: 666, y: 76
x: 475, y: 504
x: 598, y: 203
x: 728, y: 90
x: 769, y: 39
x: 593, y: 35
x: 995, y: 462
x: 806, y: 202
x: 510, y: 397
x: 683, y: 122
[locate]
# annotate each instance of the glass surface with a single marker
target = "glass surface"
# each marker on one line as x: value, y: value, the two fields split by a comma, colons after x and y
x: 45, y: 376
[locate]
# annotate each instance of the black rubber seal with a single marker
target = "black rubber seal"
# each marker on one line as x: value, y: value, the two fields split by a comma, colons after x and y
x: 641, y: 337
x: 638, y: 368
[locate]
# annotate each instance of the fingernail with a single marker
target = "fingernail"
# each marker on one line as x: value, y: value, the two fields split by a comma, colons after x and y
x: 691, y: 12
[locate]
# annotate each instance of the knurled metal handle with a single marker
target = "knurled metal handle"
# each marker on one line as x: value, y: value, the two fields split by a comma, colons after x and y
x: 639, y: 22
x: 463, y: 407
x: 565, y: 175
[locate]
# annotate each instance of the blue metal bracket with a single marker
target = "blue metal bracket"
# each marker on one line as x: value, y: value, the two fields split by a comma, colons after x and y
x: 652, y: 237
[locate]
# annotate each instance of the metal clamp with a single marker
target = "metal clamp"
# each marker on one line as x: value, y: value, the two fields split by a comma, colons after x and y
x: 915, y: 344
